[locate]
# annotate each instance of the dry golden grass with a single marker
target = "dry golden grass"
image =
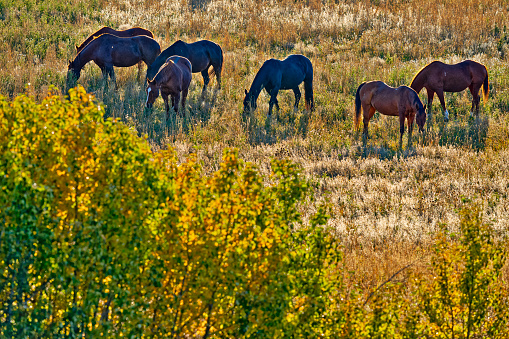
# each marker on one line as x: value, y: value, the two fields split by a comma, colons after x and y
x: 387, y: 203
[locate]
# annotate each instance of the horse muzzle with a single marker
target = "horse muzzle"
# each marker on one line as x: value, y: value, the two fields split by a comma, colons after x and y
x: 148, y: 105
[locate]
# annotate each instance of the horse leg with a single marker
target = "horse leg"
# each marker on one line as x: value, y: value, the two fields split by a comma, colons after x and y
x: 401, y: 129
x: 296, y: 91
x: 166, y: 105
x: 476, y: 99
x: 184, y: 97
x: 206, y: 80
x: 410, y: 123
x: 139, y: 70
x: 273, y: 100
x: 440, y: 94
x: 431, y: 94
x: 175, y: 100
x: 217, y: 70
x: 368, y: 111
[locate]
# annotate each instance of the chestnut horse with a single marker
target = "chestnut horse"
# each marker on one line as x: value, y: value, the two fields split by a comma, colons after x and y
x: 135, y: 31
x: 172, y: 79
x: 402, y: 101
x: 275, y: 75
x: 108, y: 50
x: 438, y: 78
x: 202, y: 54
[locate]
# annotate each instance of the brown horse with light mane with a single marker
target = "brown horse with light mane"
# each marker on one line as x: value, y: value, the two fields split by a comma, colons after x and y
x: 172, y: 79
x: 402, y: 101
x: 108, y: 50
x: 438, y: 78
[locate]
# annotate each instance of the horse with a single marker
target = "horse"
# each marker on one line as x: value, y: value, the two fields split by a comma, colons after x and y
x: 402, y: 101
x: 438, y: 78
x: 172, y: 79
x: 202, y: 54
x: 135, y: 31
x: 275, y: 75
x: 108, y: 50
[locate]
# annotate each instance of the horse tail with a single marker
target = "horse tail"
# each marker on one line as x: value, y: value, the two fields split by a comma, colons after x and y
x: 308, y: 88
x: 358, y: 105
x: 486, y: 87
x: 216, y: 68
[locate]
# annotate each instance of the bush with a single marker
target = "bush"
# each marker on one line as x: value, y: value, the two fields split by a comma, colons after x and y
x: 99, y: 236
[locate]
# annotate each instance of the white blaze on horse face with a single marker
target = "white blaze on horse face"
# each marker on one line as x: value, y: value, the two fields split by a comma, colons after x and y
x: 446, y: 114
x: 148, y: 95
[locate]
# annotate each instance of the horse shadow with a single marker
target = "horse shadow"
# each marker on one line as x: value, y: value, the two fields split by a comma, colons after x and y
x: 472, y: 134
x: 263, y: 129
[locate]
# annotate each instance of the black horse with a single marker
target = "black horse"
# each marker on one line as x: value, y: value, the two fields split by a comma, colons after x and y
x: 202, y: 54
x: 275, y: 75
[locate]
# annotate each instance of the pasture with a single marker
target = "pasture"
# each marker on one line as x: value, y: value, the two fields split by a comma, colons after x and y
x: 387, y: 203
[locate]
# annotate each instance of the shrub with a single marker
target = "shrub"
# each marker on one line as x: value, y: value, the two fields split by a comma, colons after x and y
x: 99, y: 236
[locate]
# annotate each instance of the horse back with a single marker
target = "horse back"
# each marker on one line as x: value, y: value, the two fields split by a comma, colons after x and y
x: 295, y: 69
x: 175, y: 74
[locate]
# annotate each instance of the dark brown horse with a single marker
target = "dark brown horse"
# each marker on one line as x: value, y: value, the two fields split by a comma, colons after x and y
x: 276, y: 75
x: 108, y: 50
x: 202, y: 55
x: 438, y: 78
x: 135, y: 31
x: 402, y: 101
x: 172, y: 79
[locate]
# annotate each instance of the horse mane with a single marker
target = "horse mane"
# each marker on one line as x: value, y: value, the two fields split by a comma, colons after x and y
x: 164, y: 72
x: 417, y: 74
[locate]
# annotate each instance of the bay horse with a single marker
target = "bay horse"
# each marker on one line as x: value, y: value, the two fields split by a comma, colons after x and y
x: 135, y: 31
x: 275, y: 75
x: 108, y: 50
x: 438, y: 78
x: 402, y: 101
x: 202, y: 54
x: 172, y: 79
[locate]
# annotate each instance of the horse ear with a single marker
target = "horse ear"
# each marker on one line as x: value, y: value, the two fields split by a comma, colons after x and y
x: 76, y: 46
x: 245, y: 90
x: 425, y: 107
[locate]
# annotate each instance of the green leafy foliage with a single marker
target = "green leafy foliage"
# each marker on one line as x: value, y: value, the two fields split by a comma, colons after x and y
x: 464, y: 297
x: 101, y: 237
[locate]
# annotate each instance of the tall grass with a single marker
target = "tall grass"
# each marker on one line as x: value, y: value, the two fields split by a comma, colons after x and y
x: 387, y: 202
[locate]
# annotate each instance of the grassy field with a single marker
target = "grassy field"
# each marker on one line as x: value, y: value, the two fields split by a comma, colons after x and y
x: 387, y: 203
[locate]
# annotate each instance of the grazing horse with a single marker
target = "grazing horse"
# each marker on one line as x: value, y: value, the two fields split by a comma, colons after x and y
x: 275, y: 75
x: 172, y: 79
x: 202, y: 54
x: 438, y: 78
x: 135, y: 31
x: 108, y: 50
x: 402, y: 101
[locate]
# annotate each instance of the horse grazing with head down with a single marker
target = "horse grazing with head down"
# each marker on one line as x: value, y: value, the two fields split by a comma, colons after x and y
x: 172, y: 79
x: 402, y: 101
x: 275, y: 75
x: 108, y: 50
x: 135, y: 31
x: 202, y: 55
x: 438, y: 78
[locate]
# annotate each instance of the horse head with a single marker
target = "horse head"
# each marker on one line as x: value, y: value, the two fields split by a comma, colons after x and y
x: 421, y: 116
x: 249, y: 102
x: 152, y: 93
x: 73, y: 73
